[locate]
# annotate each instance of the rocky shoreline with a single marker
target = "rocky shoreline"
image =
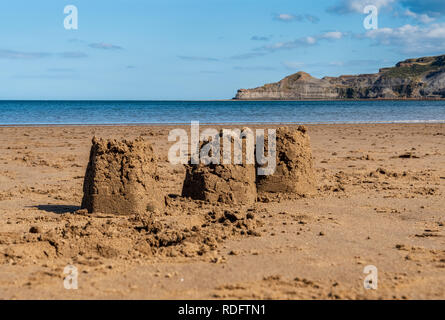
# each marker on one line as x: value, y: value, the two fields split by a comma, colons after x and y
x: 412, y: 79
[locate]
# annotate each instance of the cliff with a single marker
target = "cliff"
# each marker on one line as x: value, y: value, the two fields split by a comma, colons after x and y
x: 422, y: 78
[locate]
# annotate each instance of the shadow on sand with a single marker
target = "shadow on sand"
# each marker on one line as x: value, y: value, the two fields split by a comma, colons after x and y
x: 55, y: 208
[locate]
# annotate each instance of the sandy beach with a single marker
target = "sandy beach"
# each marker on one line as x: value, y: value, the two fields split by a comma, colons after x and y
x: 380, y: 201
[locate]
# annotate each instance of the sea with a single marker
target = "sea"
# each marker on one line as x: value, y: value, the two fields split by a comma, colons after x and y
x: 13, y: 113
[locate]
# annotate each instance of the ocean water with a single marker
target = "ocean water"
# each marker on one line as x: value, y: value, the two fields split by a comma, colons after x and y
x: 173, y: 112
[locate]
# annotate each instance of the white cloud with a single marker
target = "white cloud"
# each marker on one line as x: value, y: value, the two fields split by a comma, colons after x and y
x: 281, y: 45
x: 303, y: 42
x: 421, y: 10
x: 335, y: 35
x: 433, y: 8
x: 285, y: 17
x: 310, y: 40
x: 349, y: 6
x: 411, y: 39
x: 436, y: 31
x: 424, y: 18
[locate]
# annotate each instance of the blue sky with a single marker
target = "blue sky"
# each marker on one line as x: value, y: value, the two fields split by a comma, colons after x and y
x: 201, y: 49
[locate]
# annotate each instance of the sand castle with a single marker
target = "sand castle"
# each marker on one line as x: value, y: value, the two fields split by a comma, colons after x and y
x: 294, y: 173
x: 121, y: 176
x: 226, y: 183
x: 230, y: 184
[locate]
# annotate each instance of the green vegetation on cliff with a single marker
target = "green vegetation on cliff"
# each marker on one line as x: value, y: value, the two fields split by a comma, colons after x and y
x: 421, y: 78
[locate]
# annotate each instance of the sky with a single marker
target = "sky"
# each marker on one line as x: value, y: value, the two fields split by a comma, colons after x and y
x: 201, y: 49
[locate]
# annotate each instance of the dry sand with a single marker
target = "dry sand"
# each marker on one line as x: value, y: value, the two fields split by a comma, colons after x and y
x: 379, y: 201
